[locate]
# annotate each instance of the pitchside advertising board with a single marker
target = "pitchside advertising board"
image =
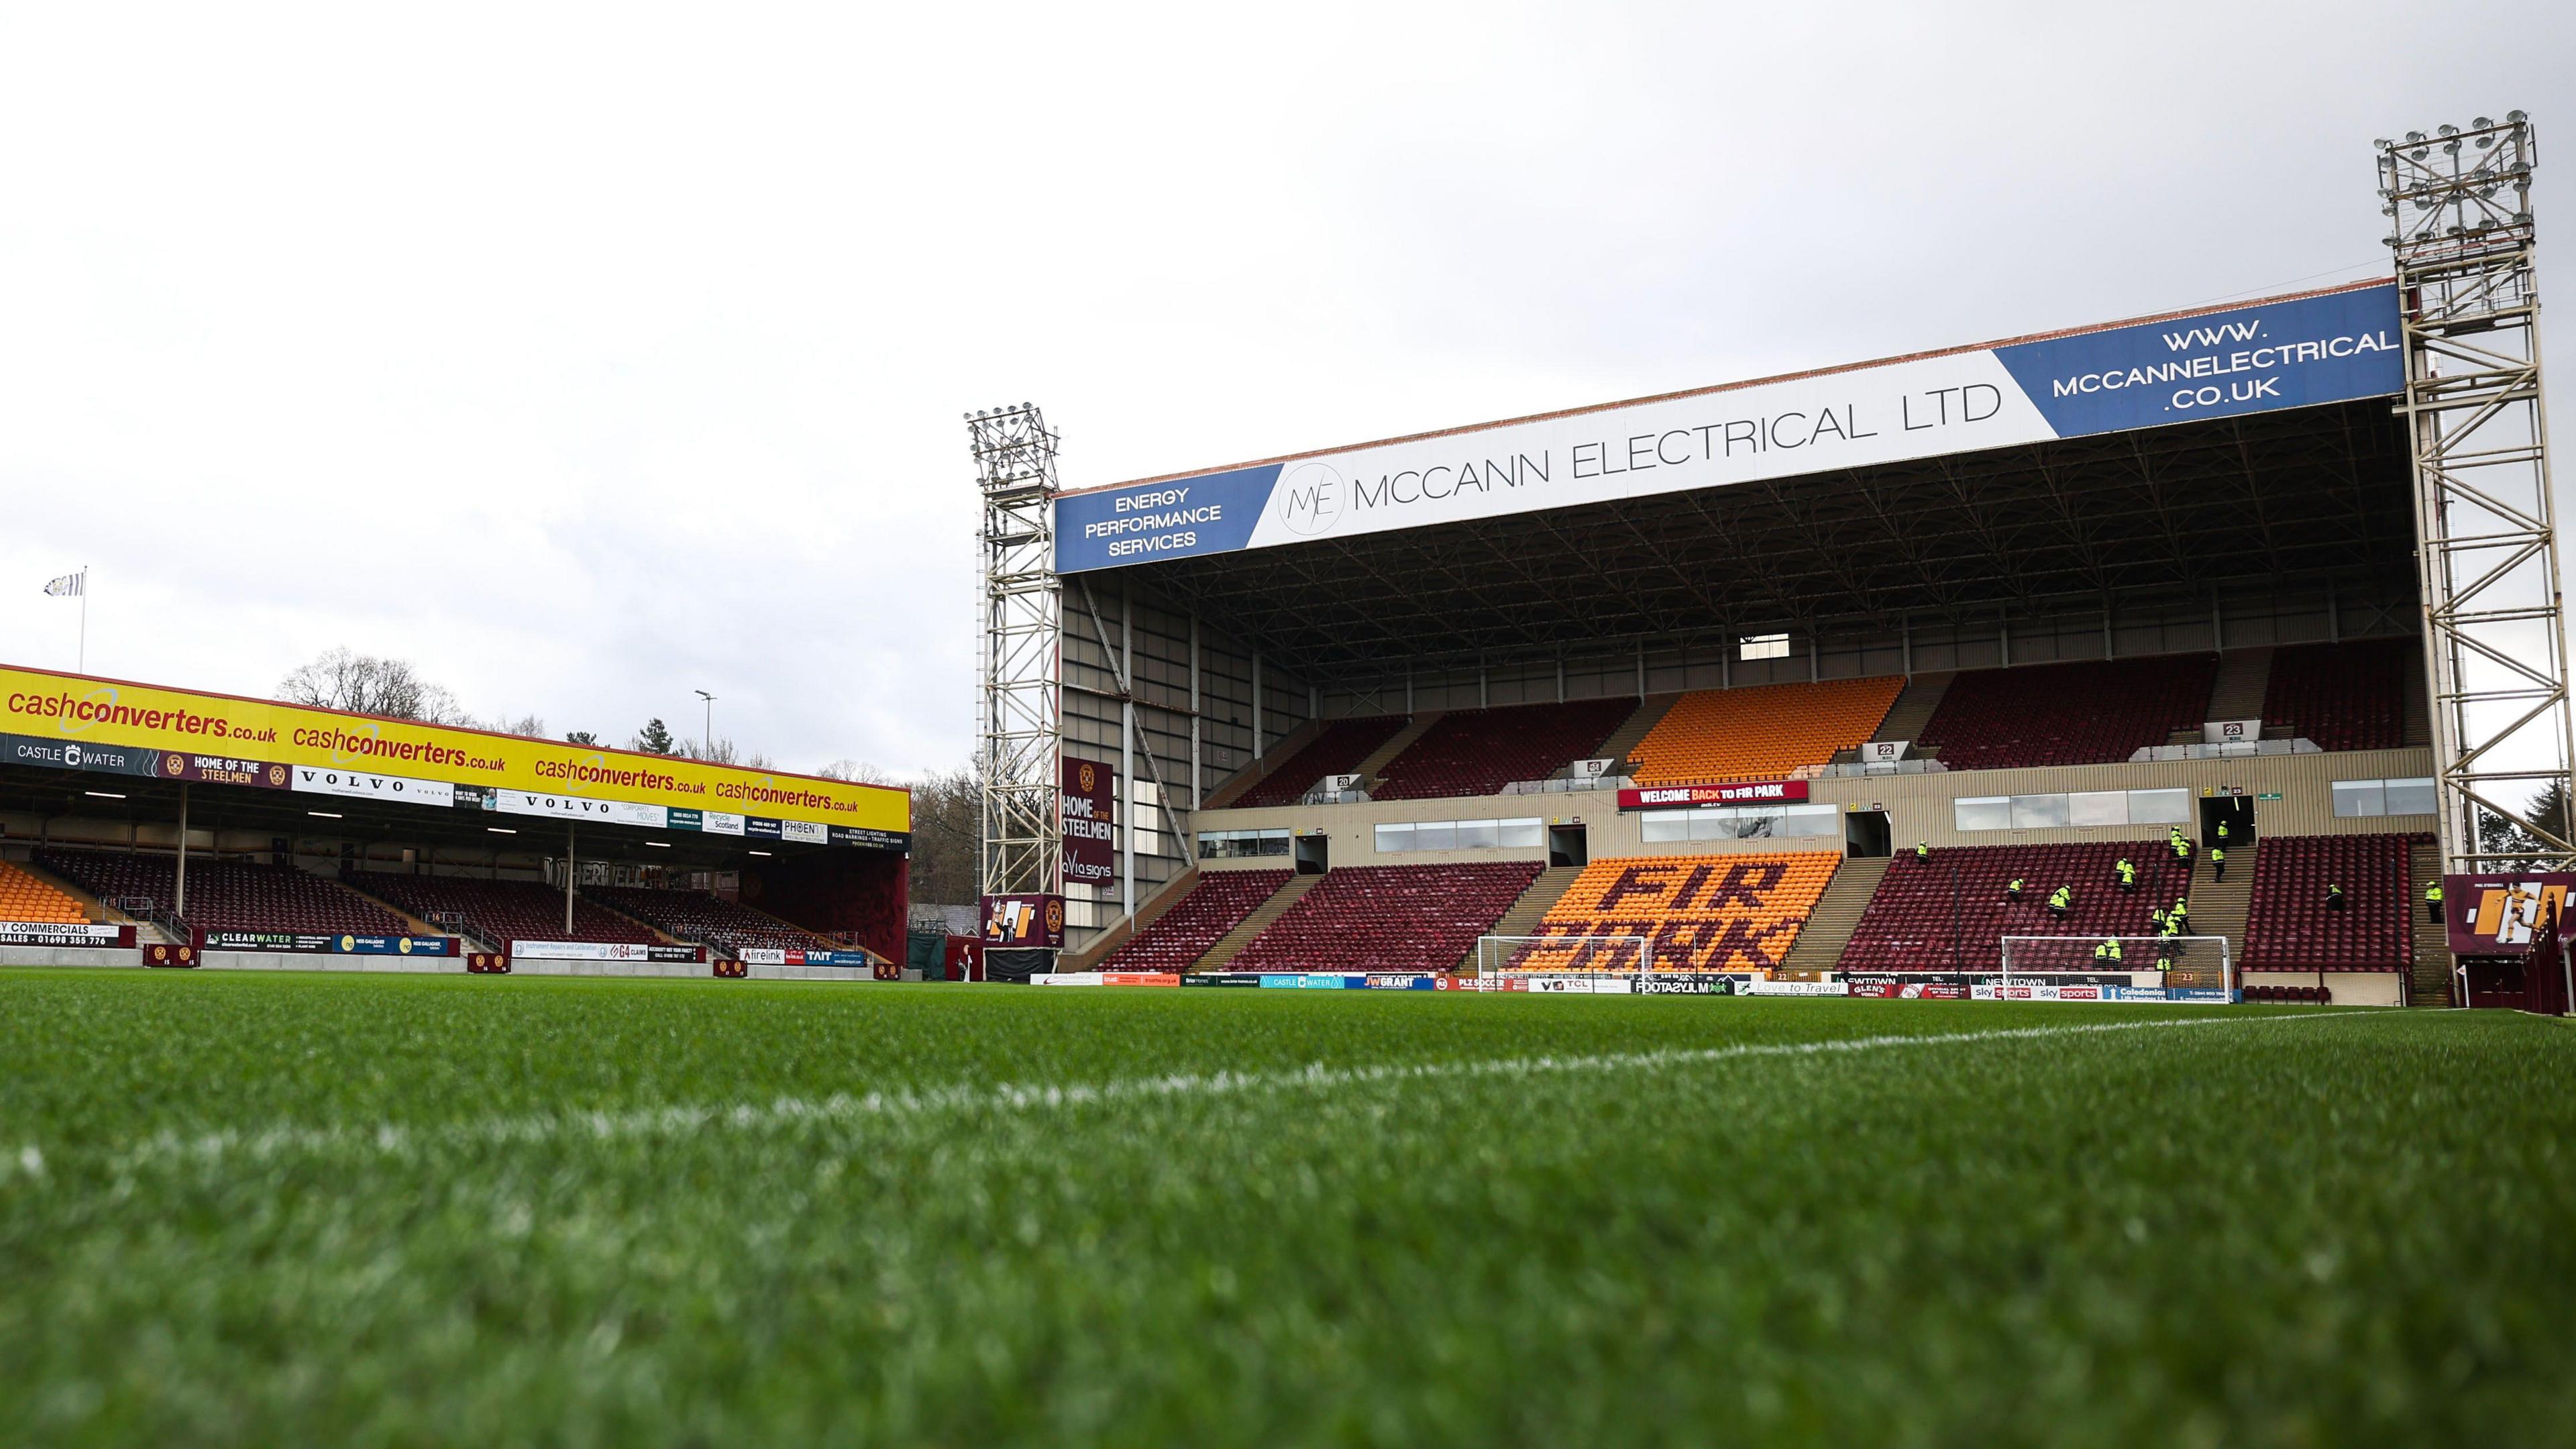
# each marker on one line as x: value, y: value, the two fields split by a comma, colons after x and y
x: 2295, y: 352
x: 77, y: 722
x: 2497, y: 914
x: 1024, y: 923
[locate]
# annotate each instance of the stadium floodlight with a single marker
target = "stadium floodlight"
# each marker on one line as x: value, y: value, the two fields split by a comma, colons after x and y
x: 2486, y: 538
x: 104, y: 794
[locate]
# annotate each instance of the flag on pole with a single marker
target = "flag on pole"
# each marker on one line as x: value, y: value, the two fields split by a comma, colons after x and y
x: 67, y: 587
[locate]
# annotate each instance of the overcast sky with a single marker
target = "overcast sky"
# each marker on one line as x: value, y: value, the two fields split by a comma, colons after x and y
x: 591, y: 356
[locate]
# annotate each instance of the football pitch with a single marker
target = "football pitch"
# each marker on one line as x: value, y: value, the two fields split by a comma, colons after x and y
x: 397, y: 1210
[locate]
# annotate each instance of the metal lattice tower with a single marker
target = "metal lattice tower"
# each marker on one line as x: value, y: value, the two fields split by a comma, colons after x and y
x: 1023, y: 608
x: 2496, y: 649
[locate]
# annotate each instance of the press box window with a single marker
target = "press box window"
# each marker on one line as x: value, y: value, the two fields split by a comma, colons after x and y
x: 1762, y: 646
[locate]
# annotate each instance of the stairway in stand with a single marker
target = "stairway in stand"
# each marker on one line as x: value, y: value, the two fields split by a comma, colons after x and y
x: 1913, y: 708
x: 1396, y: 744
x: 2219, y: 907
x: 1837, y: 914
x: 1253, y: 925
x: 1531, y: 908
x: 2237, y: 690
x: 2431, y: 985
x: 1650, y: 713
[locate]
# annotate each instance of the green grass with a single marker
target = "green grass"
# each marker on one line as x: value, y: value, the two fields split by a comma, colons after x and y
x: 282, y: 1210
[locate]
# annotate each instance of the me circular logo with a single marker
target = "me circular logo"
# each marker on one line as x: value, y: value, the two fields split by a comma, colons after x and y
x: 1310, y: 498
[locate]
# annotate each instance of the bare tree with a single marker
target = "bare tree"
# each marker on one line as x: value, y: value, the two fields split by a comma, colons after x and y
x: 365, y: 684
x: 947, y: 837
x: 859, y: 772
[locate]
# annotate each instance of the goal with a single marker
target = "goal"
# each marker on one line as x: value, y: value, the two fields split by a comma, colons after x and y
x: 1621, y: 957
x: 2188, y: 968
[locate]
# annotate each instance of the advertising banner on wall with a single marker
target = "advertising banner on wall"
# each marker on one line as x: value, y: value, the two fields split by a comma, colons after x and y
x: 63, y: 933
x: 1024, y: 922
x: 2323, y: 347
x: 80, y: 722
x: 1754, y: 792
x: 225, y: 770
x: 2497, y: 914
x: 1090, y: 837
x: 602, y: 951
x: 314, y: 943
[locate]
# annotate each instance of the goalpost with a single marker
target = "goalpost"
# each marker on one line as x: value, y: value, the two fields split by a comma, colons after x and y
x: 2192, y: 968
x: 1579, y: 963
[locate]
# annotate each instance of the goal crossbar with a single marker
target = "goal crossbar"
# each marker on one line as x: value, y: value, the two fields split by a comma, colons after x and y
x: 1620, y: 955
x: 2164, y: 957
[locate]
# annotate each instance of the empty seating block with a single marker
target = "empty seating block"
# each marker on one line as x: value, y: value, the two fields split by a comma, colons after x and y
x: 499, y: 911
x: 1479, y: 751
x: 1700, y: 912
x: 1927, y: 915
x: 2343, y: 696
x: 2086, y: 713
x: 2288, y: 925
x: 227, y: 895
x: 1762, y: 732
x: 710, y: 919
x: 1389, y: 918
x: 1216, y: 904
x: 25, y: 898
x: 1337, y: 750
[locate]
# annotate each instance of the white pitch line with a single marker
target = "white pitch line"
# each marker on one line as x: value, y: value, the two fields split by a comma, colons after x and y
x: 394, y: 1140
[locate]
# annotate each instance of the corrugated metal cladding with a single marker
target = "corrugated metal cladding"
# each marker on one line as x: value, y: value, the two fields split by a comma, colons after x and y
x: 1918, y: 808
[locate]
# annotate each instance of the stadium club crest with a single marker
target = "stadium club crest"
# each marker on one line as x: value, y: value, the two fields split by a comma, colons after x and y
x: 174, y: 765
x: 1089, y: 775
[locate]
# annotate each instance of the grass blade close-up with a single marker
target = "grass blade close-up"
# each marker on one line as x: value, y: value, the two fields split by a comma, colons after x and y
x: 250, y: 1209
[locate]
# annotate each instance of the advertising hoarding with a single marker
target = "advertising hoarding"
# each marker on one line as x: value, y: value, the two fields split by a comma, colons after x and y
x: 71, y: 721
x: 2496, y: 913
x: 1748, y: 792
x: 1090, y: 836
x: 1024, y: 922
x: 2331, y: 346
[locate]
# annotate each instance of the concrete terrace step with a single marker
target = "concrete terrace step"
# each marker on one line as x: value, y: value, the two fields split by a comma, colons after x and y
x: 1649, y: 713
x: 2431, y: 984
x: 2220, y: 907
x: 1525, y: 914
x: 1232, y: 942
x: 2237, y: 690
x: 1914, y: 705
x: 1375, y: 765
x: 1837, y: 914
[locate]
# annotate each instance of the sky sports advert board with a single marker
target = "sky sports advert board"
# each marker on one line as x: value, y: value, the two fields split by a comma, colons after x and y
x: 2300, y: 352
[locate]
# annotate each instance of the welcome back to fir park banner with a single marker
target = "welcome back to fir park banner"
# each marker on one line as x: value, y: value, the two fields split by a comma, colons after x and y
x: 2323, y: 347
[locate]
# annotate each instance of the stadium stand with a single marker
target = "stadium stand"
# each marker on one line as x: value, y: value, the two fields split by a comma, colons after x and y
x: 1701, y: 912
x: 1920, y: 907
x: 704, y: 917
x: 25, y: 898
x: 1479, y: 751
x: 2088, y: 712
x: 1388, y: 918
x: 226, y: 895
x: 1338, y: 750
x: 1216, y: 904
x: 2343, y: 696
x: 497, y: 910
x: 2289, y: 926
x: 1762, y: 732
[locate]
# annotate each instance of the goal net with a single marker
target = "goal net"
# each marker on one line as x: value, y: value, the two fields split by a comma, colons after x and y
x: 2187, y: 965
x: 1622, y: 957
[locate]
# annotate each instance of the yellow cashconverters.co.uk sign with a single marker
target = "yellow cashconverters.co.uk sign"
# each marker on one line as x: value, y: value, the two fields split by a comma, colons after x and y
x: 79, y: 722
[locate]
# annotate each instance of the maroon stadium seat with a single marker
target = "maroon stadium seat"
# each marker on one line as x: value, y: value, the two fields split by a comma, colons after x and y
x: 1216, y: 904
x: 1479, y: 751
x: 227, y: 895
x: 2289, y: 928
x: 1389, y: 918
x: 701, y: 916
x: 1920, y: 907
x: 502, y: 910
x: 1337, y: 750
x: 2343, y: 696
x: 2086, y: 713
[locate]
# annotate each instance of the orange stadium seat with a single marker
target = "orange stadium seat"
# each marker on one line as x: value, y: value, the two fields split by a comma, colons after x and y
x: 1761, y: 732
x: 25, y: 898
x: 1701, y: 912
